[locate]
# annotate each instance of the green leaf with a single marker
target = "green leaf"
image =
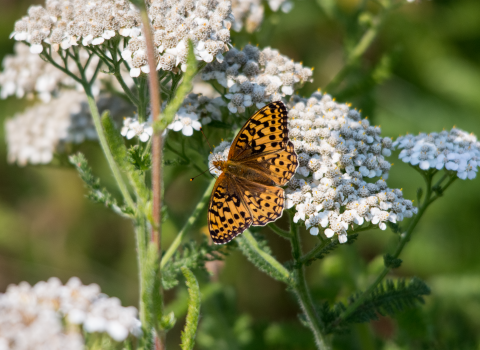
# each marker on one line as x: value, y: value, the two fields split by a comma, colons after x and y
x: 389, y: 298
x: 141, y: 162
x: 188, y: 335
x: 95, y: 192
x: 391, y: 262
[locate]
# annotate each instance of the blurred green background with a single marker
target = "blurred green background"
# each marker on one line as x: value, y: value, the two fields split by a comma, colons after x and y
x: 422, y: 73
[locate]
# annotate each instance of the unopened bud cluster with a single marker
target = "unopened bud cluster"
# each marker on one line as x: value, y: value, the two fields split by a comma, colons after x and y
x: 454, y: 150
x: 256, y: 77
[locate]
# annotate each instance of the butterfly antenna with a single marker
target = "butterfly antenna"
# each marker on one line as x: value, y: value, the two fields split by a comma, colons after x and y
x: 209, y: 145
x: 203, y: 172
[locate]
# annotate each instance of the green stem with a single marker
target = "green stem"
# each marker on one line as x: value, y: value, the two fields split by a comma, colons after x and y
x: 191, y: 220
x: 141, y: 242
x: 279, y: 231
x: 143, y: 99
x: 118, y: 75
x: 301, y: 290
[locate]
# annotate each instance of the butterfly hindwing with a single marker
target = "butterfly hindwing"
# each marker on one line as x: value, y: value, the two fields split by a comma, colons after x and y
x: 266, y: 203
x: 228, y: 215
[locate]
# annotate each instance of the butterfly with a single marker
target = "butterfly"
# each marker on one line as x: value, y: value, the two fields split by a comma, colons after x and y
x: 260, y: 159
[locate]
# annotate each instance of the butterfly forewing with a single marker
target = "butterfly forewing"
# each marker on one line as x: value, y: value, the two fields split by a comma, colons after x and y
x: 228, y: 215
x: 266, y: 131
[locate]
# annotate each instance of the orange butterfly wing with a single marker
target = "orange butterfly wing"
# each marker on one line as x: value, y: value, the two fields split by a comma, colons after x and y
x: 262, y: 146
x: 228, y: 216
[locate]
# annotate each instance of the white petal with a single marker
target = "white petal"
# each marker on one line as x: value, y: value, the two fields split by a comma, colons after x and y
x: 196, y: 125
x: 343, y: 238
x: 177, y: 126
x: 145, y: 69
x: 98, y: 41
x: 329, y: 233
x: 187, y: 130
x: 314, y: 231
x: 36, y: 48
x: 130, y: 134
x: 144, y: 137
x: 135, y: 72
x: 117, y: 331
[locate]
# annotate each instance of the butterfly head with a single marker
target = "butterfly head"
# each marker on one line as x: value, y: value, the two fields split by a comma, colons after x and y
x: 220, y: 165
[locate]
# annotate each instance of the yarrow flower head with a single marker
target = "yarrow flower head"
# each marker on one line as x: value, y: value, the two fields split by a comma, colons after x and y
x: 35, y: 135
x: 454, y: 150
x: 55, y: 314
x: 340, y: 154
x: 195, y: 111
x: 206, y: 23
x: 62, y: 24
x: 256, y: 77
x: 133, y: 128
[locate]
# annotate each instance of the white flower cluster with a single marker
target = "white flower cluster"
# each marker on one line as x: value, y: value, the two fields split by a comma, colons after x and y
x: 133, y: 128
x: 26, y: 74
x: 256, y: 77
x: 44, y: 129
x: 50, y: 315
x: 454, y: 150
x: 67, y: 23
x: 196, y: 111
x: 205, y: 22
x: 337, y: 152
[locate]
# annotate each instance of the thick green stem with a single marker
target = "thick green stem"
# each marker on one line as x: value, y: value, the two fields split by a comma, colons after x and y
x: 301, y: 290
x: 141, y: 241
x: 191, y: 220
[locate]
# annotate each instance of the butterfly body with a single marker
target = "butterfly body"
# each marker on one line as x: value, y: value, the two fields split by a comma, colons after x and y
x: 260, y: 159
